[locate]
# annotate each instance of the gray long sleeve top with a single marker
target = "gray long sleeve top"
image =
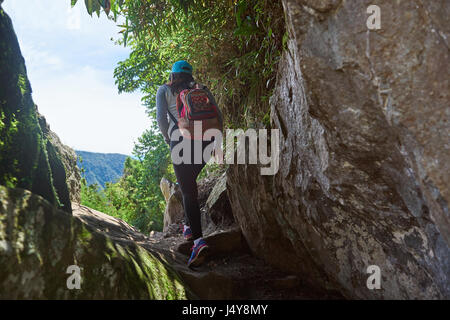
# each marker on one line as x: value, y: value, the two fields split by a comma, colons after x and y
x: 166, y: 102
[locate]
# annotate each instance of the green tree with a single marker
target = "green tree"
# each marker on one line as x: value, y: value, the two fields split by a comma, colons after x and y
x: 234, y: 46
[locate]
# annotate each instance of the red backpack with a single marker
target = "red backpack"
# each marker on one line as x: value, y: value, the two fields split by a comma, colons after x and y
x: 196, y: 105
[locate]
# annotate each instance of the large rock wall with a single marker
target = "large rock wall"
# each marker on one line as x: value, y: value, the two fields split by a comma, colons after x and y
x: 71, y: 180
x: 27, y: 160
x: 38, y: 243
x: 364, y: 164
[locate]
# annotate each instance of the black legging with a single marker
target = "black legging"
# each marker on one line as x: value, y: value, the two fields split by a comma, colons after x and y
x: 186, y: 176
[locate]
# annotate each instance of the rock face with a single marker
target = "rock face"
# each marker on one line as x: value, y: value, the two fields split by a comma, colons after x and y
x: 27, y: 160
x: 218, y: 204
x: 364, y: 155
x: 215, y: 207
x: 39, y: 242
x: 68, y: 158
x: 174, y: 212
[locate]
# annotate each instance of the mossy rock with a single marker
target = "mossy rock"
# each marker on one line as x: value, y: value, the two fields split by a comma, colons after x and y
x: 65, y: 177
x: 26, y: 159
x: 39, y: 242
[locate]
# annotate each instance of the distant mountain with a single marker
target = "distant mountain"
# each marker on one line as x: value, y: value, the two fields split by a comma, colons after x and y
x: 101, y: 167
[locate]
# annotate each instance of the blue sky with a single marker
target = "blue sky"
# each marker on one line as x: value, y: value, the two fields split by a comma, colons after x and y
x: 70, y: 60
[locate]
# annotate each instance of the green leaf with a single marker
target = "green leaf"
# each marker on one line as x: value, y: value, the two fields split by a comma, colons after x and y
x: 125, y: 37
x: 285, y: 39
x: 242, y: 6
x: 107, y: 6
x: 73, y: 2
x: 89, y: 6
x: 92, y: 6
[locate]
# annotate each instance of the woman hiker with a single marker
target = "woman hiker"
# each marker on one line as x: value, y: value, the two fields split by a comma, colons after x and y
x: 186, y: 173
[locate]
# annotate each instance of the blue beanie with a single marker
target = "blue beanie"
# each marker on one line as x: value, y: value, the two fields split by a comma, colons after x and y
x: 182, y: 66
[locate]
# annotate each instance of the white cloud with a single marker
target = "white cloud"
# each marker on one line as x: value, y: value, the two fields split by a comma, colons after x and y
x: 88, y: 114
x: 38, y: 58
x: 73, y: 18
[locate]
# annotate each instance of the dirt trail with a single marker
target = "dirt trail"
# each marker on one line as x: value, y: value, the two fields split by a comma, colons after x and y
x: 230, y: 272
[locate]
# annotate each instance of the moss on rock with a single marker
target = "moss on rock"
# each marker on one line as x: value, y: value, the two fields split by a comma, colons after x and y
x: 26, y: 160
x: 39, y: 242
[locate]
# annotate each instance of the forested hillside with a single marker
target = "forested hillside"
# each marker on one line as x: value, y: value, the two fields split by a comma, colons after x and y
x: 100, y: 168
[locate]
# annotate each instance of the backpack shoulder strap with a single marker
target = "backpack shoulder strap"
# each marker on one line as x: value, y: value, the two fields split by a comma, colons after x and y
x: 175, y: 124
x: 168, y: 94
x: 173, y: 118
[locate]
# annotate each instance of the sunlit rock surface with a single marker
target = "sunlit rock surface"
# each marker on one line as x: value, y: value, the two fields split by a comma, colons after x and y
x: 39, y: 242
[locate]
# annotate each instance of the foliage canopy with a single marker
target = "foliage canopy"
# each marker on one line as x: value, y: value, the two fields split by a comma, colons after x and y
x: 234, y: 46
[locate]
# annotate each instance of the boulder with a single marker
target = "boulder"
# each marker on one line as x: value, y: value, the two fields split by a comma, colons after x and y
x: 218, y: 206
x: 174, y: 212
x: 166, y: 188
x: 67, y: 156
x: 364, y: 161
x: 39, y: 245
x: 209, y: 285
x: 225, y: 242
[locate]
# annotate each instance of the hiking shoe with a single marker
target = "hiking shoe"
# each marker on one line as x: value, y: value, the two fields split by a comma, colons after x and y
x: 198, y: 254
x: 187, y: 233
